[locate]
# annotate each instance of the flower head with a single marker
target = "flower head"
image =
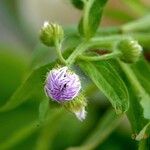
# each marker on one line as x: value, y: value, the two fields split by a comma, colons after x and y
x: 62, y: 84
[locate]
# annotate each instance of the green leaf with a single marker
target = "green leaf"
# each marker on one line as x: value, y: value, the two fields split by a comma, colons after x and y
x: 142, y: 135
x: 27, y: 130
x: 137, y: 6
x: 109, y: 82
x: 49, y: 130
x: 105, y: 127
x: 77, y: 3
x: 32, y: 87
x: 18, y: 136
x: 13, y: 64
x: 144, y: 97
x: 135, y: 112
x: 118, y: 15
x: 138, y: 25
x: 43, y: 110
x: 139, y: 112
x: 144, y: 75
x: 92, y: 15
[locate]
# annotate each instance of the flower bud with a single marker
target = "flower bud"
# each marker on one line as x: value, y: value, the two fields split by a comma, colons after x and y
x: 62, y: 84
x: 77, y: 106
x: 130, y: 50
x: 50, y: 33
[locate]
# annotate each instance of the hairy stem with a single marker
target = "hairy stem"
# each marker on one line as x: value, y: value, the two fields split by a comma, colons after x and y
x: 58, y: 50
x: 102, y: 57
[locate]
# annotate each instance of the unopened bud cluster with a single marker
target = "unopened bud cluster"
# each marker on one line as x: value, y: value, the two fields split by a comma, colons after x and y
x: 130, y: 50
x: 51, y: 33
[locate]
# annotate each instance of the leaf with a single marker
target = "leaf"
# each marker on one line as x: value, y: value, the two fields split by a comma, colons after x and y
x: 144, y: 75
x: 43, y: 109
x: 42, y: 55
x: 138, y: 25
x: 50, y: 130
x: 135, y: 112
x: 29, y: 129
x: 13, y: 64
x: 109, y: 82
x: 105, y: 127
x: 77, y: 3
x: 18, y: 136
x: 139, y: 112
x: 92, y: 15
x: 32, y: 87
x: 144, y: 97
x: 118, y: 15
x: 137, y: 6
x: 142, y: 134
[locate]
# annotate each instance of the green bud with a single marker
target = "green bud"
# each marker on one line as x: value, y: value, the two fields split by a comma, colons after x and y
x: 51, y: 33
x: 130, y: 50
x: 77, y: 106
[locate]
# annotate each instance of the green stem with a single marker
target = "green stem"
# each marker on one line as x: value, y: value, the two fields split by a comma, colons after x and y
x: 58, y: 50
x: 102, y: 57
x: 79, y: 50
x: 106, y: 42
x: 100, y: 42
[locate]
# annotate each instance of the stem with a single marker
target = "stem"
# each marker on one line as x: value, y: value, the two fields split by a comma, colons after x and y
x: 97, y: 42
x: 79, y: 50
x: 58, y: 50
x: 98, y: 58
x: 100, y: 42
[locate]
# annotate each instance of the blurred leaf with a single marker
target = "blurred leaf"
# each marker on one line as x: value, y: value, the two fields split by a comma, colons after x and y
x: 42, y: 55
x: 32, y: 87
x: 19, y: 136
x: 137, y: 6
x: 109, y: 82
x: 49, y: 130
x: 141, y: 24
x: 28, y: 130
x: 118, y: 15
x: 105, y: 127
x: 92, y: 15
x: 43, y: 109
x: 13, y: 64
x: 142, y: 133
x: 77, y: 3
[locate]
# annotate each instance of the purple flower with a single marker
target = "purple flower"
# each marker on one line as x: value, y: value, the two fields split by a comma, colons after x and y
x: 62, y: 84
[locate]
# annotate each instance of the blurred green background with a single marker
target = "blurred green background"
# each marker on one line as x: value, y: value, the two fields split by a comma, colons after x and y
x: 21, y: 51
